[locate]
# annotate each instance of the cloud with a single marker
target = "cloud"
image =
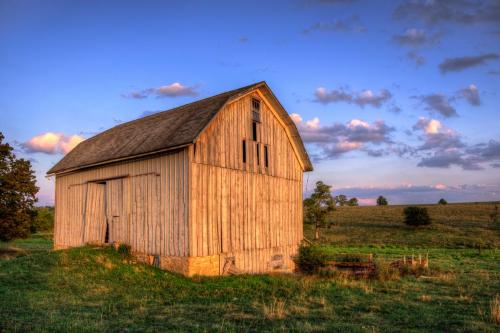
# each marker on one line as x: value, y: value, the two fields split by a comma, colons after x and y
x: 52, y: 143
x: 365, y: 97
x: 337, y: 139
x: 175, y: 89
x: 462, y: 11
x: 447, y: 158
x: 394, y: 108
x: 494, y: 72
x: 415, y: 38
x: 418, y: 59
x: 420, y: 194
x: 243, y: 39
x: 436, y: 136
x: 443, y: 105
x: 443, y: 147
x: 471, y: 94
x: 350, y: 24
x: 486, y: 151
x: 461, y: 63
x: 438, y: 103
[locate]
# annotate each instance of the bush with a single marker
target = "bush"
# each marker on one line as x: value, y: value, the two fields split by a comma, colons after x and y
x: 125, y: 250
x: 442, y: 202
x: 384, y: 271
x: 416, y: 216
x: 310, y: 259
x: 44, y: 220
x: 382, y: 201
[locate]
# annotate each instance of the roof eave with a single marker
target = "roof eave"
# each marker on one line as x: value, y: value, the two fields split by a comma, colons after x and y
x: 117, y: 160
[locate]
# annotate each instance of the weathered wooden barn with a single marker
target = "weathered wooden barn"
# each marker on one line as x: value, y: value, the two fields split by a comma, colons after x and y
x: 212, y: 187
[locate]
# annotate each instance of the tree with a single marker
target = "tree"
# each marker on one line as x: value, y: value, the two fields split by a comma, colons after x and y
x: 318, y: 207
x: 17, y: 194
x: 442, y: 202
x: 341, y: 200
x: 382, y: 201
x: 416, y: 216
x: 353, y: 202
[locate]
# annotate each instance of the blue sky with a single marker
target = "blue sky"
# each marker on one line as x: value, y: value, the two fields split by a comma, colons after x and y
x: 395, y: 98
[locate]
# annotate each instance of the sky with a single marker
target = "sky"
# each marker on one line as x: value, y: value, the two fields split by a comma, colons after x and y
x: 393, y: 98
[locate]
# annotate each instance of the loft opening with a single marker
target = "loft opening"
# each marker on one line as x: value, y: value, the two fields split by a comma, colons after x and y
x: 255, y: 118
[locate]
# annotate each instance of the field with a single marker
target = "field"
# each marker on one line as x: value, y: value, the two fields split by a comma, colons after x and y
x: 95, y: 289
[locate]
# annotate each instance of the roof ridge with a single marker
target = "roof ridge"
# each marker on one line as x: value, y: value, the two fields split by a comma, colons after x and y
x: 177, y: 107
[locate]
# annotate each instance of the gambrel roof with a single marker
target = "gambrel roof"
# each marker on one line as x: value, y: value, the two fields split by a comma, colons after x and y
x: 168, y: 130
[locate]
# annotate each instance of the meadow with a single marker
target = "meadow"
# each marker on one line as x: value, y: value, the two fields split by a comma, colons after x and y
x: 97, y: 289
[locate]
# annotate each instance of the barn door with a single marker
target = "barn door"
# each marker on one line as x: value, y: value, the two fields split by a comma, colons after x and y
x: 95, y: 214
x: 114, y: 211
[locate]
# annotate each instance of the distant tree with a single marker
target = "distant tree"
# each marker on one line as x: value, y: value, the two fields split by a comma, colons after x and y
x: 341, y: 200
x: 318, y: 206
x: 442, y: 202
x: 382, y: 201
x: 352, y: 202
x: 416, y: 216
x: 44, y: 220
x: 17, y: 194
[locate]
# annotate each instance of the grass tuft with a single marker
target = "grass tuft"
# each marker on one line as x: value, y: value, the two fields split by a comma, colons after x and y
x: 275, y: 309
x: 495, y: 310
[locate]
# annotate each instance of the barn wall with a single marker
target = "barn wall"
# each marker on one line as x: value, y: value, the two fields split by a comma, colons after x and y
x: 147, y: 209
x: 243, y: 210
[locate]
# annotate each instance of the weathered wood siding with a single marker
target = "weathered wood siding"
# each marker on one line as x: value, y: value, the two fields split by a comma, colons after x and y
x: 144, y: 202
x: 245, y: 210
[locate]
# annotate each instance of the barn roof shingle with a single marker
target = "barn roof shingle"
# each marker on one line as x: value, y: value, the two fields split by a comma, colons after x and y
x: 161, y: 131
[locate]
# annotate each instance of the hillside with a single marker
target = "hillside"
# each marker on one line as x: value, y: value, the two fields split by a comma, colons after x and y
x: 97, y: 289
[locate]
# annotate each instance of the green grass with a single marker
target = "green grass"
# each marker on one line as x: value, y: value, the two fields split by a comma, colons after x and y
x: 453, y: 226
x: 94, y: 289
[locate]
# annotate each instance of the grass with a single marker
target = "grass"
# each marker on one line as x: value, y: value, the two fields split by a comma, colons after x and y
x: 453, y: 226
x: 97, y: 289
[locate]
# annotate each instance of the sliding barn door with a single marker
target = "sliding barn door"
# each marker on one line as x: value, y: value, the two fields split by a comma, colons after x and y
x: 116, y: 217
x: 145, y: 224
x: 95, y: 214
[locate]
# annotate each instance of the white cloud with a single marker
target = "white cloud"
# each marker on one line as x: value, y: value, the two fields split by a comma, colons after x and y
x: 52, y: 143
x: 175, y: 89
x: 356, y: 122
x: 337, y: 139
x: 440, y: 186
x: 433, y: 126
x: 313, y: 123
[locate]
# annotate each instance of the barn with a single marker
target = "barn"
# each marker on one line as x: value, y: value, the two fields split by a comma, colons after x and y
x: 212, y: 187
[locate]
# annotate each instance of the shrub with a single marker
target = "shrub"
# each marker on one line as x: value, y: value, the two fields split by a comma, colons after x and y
x: 125, y: 250
x: 385, y: 272
x: 382, y: 201
x: 416, y: 216
x: 442, y: 202
x: 44, y: 220
x: 310, y: 259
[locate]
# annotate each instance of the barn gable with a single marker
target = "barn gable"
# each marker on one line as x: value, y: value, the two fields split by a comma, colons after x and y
x: 165, y: 131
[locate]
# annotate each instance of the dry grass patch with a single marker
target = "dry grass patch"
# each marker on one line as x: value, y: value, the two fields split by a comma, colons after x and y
x: 105, y: 262
x: 10, y: 252
x: 275, y: 309
x: 495, y: 310
x: 425, y: 298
